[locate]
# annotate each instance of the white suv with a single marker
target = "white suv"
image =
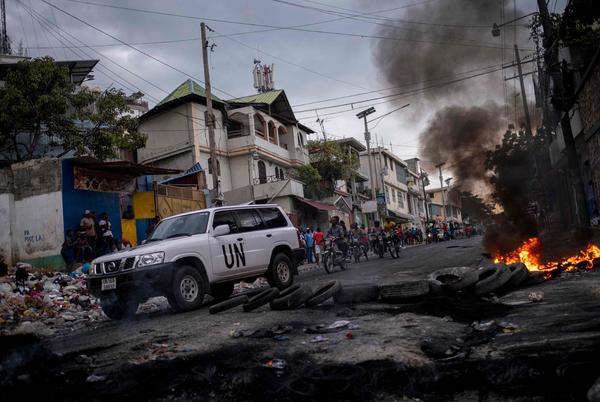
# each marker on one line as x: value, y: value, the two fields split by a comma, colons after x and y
x: 197, y: 253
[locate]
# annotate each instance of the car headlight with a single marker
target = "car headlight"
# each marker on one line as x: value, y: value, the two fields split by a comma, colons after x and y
x: 151, y: 259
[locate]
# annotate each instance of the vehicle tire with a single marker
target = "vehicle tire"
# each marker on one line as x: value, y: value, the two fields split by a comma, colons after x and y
x: 518, y: 274
x: 491, y: 278
x: 397, y: 248
x: 380, y: 250
x: 261, y: 299
x: 342, y: 263
x: 357, y: 252
x: 281, y: 272
x: 360, y: 293
x: 328, y: 262
x: 392, y: 251
x: 323, y: 293
x: 118, y: 307
x: 188, y: 289
x: 221, y: 291
x: 404, y: 290
x: 228, y: 304
x: 291, y: 300
x: 454, y: 279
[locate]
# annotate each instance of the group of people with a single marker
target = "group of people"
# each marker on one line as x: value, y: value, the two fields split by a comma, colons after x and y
x: 93, y: 238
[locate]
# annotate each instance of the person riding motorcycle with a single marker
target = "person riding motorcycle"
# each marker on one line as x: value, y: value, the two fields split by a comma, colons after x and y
x: 339, y: 233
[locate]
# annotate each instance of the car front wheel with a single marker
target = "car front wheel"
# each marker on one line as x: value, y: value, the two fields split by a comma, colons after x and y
x: 118, y: 307
x: 280, y: 272
x: 188, y: 289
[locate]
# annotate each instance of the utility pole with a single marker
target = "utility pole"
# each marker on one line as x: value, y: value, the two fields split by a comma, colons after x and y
x: 523, y: 95
x: 322, y: 124
x: 210, y: 118
x: 439, y: 166
x: 423, y: 177
x: 4, y: 42
x: 363, y: 115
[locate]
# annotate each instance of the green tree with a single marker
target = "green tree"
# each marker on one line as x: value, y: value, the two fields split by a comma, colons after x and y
x: 332, y: 161
x: 311, y: 178
x: 40, y: 107
x: 474, y: 208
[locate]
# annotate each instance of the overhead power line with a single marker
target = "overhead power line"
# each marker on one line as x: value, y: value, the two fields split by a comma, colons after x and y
x: 291, y: 28
x: 133, y: 47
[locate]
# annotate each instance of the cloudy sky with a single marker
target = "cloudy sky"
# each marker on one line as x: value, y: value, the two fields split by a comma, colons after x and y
x: 346, y: 57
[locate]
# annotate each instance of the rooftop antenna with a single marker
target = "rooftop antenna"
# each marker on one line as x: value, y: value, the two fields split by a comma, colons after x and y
x: 264, y: 77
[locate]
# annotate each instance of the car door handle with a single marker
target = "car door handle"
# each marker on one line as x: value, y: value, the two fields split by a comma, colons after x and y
x: 269, y: 235
x: 240, y: 239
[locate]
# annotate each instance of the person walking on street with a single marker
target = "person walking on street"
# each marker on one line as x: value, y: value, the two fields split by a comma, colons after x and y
x: 308, y: 238
x: 106, y: 232
x: 318, y: 238
x: 88, y: 225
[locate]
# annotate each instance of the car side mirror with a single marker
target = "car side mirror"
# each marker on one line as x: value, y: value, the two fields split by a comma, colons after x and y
x: 221, y: 230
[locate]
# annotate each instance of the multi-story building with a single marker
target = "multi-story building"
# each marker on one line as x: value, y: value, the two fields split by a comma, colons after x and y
x: 397, y: 186
x: 448, y: 196
x: 258, y: 141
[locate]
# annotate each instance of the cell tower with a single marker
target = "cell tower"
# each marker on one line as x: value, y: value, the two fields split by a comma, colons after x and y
x: 4, y: 41
x: 263, y: 76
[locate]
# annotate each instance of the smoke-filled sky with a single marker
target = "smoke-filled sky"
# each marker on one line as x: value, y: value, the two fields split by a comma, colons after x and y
x: 377, y: 48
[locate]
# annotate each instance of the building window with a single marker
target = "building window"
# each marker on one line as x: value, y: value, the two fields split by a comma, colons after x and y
x: 272, y: 132
x: 401, y: 199
x: 393, y: 195
x: 281, y: 131
x: 210, y: 167
x: 387, y: 194
x: 260, y: 126
x: 262, y: 172
x: 392, y: 163
x: 300, y: 141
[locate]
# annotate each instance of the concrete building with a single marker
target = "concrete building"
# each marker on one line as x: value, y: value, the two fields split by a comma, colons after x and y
x: 397, y: 186
x: 436, y: 202
x: 258, y: 141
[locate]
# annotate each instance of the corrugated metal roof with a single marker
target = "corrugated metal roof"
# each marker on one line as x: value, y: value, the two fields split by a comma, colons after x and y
x: 266, y: 97
x: 188, y: 87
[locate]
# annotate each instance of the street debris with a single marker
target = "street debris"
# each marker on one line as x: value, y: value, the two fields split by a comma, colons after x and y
x: 536, y: 296
x: 278, y: 364
x: 95, y: 378
x: 318, y: 339
x: 336, y: 326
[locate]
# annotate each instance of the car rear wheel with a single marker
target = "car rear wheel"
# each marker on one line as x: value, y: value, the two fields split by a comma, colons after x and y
x: 280, y: 272
x: 188, y: 289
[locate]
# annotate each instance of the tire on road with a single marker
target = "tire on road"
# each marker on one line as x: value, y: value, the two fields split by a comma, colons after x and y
x: 323, y: 293
x: 118, y: 307
x: 518, y: 274
x: 261, y: 299
x: 404, y: 290
x: 221, y: 291
x: 491, y: 278
x: 292, y: 299
x: 187, y: 289
x: 454, y: 279
x: 228, y: 304
x: 281, y: 272
x: 358, y: 293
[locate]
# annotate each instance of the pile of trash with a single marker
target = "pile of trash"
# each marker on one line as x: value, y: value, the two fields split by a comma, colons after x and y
x: 41, y: 302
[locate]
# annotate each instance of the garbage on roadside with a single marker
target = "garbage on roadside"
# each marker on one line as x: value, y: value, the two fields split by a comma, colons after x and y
x: 41, y: 301
x: 278, y: 364
x: 336, y: 326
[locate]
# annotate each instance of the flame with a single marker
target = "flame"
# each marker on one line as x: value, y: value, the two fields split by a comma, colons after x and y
x: 529, y: 253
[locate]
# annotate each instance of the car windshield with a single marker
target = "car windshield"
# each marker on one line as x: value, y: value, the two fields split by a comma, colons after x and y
x: 185, y: 225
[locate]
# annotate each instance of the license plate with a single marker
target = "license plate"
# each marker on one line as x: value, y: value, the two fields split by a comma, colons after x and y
x: 109, y: 283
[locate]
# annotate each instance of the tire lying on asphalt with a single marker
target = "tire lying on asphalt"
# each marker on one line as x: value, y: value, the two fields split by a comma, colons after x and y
x: 228, y: 304
x: 454, y: 279
x: 404, y: 290
x: 518, y: 274
x: 358, y: 293
x: 292, y: 299
x: 323, y: 293
x: 261, y: 299
x: 491, y: 278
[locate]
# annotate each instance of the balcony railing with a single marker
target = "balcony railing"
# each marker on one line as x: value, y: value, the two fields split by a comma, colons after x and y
x: 269, y: 179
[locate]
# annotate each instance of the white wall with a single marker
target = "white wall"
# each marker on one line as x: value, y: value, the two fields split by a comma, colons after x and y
x: 6, y: 207
x: 38, y: 226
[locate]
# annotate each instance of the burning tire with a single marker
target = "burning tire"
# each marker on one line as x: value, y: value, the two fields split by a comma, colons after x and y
x: 455, y: 279
x: 362, y: 293
x: 294, y: 298
x: 228, y: 304
x: 323, y: 293
x: 491, y: 278
x: 261, y: 299
x: 404, y: 290
x: 118, y: 307
x: 518, y: 274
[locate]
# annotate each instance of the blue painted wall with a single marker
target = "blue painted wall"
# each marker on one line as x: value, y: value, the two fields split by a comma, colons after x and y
x: 75, y: 202
x: 141, y: 226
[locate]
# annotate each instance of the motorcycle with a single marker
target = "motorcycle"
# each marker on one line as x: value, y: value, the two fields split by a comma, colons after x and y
x: 332, y: 255
x: 358, y: 249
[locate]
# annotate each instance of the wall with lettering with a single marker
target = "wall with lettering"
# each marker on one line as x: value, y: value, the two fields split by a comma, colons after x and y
x: 38, y: 227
